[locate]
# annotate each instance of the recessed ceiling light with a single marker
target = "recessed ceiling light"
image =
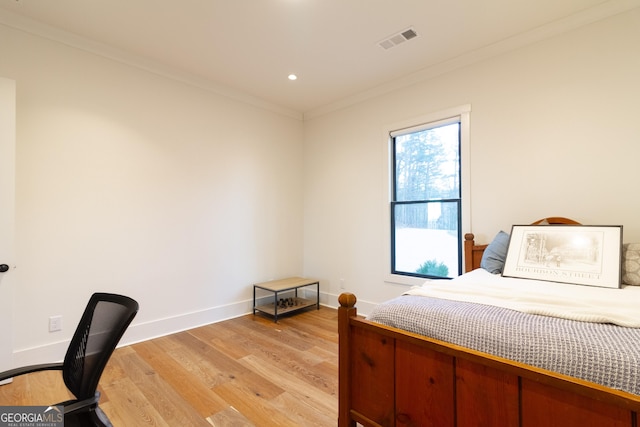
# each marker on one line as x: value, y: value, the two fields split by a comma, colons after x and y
x: 293, y: 77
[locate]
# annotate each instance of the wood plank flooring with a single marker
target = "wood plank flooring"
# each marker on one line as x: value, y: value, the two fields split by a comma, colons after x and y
x: 247, y: 371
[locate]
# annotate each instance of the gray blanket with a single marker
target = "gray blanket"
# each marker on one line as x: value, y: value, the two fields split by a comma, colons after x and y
x: 602, y: 353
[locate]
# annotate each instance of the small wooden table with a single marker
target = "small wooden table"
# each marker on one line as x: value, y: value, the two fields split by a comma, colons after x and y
x: 286, y: 305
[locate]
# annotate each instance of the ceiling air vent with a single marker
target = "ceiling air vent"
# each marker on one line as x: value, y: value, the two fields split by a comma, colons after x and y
x: 398, y: 38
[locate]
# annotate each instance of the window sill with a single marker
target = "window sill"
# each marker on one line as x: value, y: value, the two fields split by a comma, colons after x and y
x: 398, y: 279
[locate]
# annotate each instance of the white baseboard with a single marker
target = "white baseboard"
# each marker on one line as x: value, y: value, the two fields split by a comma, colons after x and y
x: 139, y: 332
x: 364, y: 307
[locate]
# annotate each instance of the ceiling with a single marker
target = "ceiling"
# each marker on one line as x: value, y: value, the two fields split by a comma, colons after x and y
x: 247, y: 48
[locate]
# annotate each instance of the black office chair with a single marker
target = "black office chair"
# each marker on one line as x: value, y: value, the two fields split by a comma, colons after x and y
x: 103, y: 323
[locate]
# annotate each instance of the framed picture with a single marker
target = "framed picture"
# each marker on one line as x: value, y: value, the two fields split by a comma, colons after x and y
x: 582, y: 255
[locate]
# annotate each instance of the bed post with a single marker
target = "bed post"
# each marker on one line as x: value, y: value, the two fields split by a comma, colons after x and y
x: 346, y: 311
x: 468, y: 252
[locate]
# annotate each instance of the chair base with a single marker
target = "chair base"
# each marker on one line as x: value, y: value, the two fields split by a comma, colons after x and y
x: 94, y: 417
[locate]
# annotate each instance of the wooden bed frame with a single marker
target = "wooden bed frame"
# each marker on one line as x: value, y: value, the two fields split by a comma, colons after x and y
x: 390, y: 377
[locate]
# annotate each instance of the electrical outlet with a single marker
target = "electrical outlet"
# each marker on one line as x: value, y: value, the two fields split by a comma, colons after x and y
x: 341, y: 283
x: 55, y: 323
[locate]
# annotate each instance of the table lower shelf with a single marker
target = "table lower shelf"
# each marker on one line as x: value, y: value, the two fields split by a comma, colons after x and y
x: 294, y: 305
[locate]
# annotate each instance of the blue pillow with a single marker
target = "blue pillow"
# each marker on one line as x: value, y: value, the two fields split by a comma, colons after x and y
x: 495, y: 254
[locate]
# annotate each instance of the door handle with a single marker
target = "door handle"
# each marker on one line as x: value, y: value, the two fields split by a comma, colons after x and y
x: 3, y: 268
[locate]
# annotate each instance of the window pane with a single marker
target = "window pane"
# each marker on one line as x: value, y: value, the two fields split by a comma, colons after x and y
x: 426, y: 239
x: 427, y: 164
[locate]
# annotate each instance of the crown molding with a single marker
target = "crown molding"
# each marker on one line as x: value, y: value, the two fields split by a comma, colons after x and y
x: 569, y: 23
x: 30, y: 26
x: 600, y: 12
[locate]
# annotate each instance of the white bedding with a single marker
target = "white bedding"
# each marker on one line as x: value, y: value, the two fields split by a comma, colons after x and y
x: 574, y: 302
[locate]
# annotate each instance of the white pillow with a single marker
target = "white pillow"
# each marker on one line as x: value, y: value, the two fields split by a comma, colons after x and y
x: 631, y: 264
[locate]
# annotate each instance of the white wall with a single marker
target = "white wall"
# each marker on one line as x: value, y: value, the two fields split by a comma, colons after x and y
x: 554, y: 131
x: 133, y: 183
x: 130, y: 182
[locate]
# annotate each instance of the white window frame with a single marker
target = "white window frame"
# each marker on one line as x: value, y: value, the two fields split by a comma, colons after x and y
x: 463, y: 113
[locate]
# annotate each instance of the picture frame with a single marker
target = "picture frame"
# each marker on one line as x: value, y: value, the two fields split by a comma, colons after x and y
x: 577, y: 254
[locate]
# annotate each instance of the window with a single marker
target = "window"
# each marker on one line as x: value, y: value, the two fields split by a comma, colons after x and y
x: 426, y: 204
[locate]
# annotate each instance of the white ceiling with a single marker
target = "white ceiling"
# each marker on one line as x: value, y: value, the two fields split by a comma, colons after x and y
x: 247, y: 48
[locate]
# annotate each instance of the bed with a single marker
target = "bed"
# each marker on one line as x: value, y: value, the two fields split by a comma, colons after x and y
x: 389, y: 376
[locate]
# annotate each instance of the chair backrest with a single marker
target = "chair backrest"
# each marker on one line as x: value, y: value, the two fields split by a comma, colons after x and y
x: 104, y: 321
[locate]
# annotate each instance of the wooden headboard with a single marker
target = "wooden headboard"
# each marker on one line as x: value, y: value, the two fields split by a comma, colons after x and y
x: 473, y: 253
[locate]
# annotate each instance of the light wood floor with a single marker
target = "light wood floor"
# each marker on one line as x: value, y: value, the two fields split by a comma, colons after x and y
x: 247, y: 371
